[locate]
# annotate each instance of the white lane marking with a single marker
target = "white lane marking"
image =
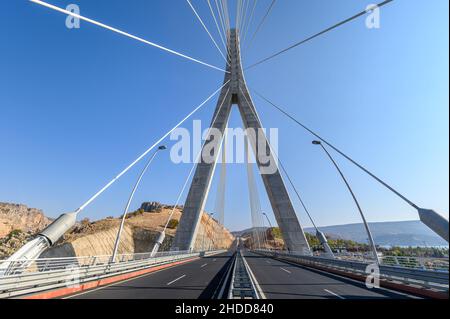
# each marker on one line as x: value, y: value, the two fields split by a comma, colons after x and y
x: 117, y: 283
x: 334, y: 294
x: 214, y: 259
x: 168, y: 284
x: 285, y: 270
x: 267, y: 261
x: 204, y: 265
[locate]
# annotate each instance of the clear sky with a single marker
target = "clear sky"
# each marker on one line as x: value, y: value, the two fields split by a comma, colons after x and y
x: 77, y: 106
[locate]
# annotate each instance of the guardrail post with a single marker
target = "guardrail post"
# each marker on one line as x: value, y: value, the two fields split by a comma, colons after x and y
x: 45, y: 266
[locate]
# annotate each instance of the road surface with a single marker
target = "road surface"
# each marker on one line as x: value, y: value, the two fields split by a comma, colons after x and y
x: 282, y: 280
x: 200, y: 279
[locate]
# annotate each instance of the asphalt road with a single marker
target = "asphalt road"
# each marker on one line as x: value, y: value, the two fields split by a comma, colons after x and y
x: 281, y: 280
x: 198, y: 279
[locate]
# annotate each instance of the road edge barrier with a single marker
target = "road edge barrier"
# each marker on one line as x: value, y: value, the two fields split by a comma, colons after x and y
x: 62, y: 282
x: 422, y: 283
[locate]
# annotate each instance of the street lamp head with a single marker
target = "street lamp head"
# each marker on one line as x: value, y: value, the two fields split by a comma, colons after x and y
x: 316, y: 142
x: 162, y: 148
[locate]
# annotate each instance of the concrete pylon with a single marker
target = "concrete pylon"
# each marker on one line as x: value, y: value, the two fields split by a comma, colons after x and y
x: 236, y: 92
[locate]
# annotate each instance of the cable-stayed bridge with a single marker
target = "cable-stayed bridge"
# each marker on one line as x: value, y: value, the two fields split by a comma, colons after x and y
x: 255, y: 271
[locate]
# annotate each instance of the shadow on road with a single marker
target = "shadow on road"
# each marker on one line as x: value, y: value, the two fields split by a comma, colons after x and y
x: 213, y: 289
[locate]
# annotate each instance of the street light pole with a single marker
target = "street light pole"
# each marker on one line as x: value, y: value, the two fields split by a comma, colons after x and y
x: 203, y: 237
x: 211, y: 242
x: 122, y: 223
x: 205, y: 229
x: 366, y: 225
x: 436, y: 222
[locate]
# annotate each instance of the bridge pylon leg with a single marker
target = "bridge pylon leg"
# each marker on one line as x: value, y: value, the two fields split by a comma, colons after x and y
x: 236, y: 92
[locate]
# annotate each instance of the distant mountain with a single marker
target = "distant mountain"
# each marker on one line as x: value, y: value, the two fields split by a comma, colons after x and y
x: 246, y: 232
x: 404, y: 233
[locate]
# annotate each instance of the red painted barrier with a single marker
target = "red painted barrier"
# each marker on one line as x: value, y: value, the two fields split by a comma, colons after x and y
x: 417, y: 291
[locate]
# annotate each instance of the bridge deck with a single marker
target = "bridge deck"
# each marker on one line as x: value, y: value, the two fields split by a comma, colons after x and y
x: 200, y: 279
x: 194, y: 280
x: 282, y: 280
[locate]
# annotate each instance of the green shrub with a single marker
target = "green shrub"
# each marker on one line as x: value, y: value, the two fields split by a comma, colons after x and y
x: 276, y: 233
x: 15, y: 233
x: 173, y: 223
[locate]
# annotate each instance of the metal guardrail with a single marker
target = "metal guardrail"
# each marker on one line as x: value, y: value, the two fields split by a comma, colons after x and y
x: 8, y: 268
x: 438, y: 279
x: 51, y: 273
x: 427, y: 263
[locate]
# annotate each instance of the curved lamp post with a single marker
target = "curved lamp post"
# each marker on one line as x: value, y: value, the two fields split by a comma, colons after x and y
x: 211, y: 242
x: 119, y: 233
x: 366, y: 225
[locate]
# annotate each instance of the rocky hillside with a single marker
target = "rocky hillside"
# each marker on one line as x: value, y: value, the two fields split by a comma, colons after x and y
x: 97, y: 238
x: 20, y: 217
x: 12, y: 242
x: 140, y: 233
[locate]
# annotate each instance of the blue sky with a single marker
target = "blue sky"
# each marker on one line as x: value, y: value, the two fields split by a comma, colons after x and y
x: 77, y: 106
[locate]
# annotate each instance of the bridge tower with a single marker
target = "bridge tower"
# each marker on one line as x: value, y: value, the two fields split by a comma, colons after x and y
x: 237, y: 93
